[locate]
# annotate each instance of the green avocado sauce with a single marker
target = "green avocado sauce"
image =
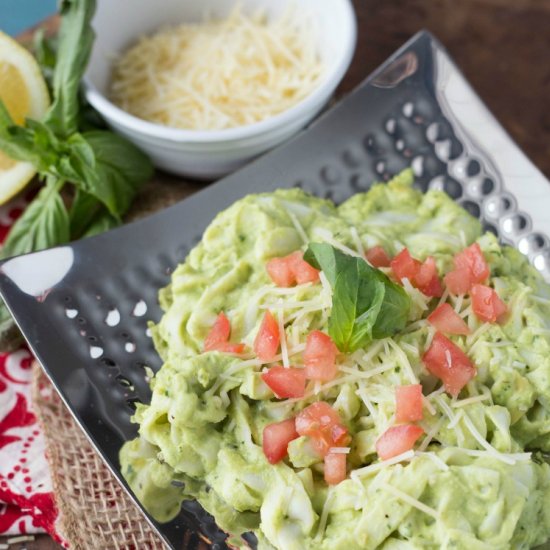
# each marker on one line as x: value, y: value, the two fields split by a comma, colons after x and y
x: 201, y: 435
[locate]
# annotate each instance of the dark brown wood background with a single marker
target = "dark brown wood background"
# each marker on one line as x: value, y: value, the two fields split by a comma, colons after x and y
x: 502, y: 46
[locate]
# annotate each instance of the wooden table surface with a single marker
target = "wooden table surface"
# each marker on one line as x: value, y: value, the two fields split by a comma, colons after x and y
x: 502, y: 46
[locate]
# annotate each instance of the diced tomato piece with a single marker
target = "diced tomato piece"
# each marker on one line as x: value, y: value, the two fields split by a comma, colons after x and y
x: 445, y: 319
x: 280, y: 271
x: 339, y: 435
x: 449, y: 363
x: 303, y: 272
x: 472, y: 258
x: 408, y: 403
x: 276, y: 438
x: 285, y: 382
x: 459, y: 281
x: 486, y: 303
x: 335, y: 468
x: 219, y: 333
x: 404, y: 266
x: 217, y: 338
x: 268, y: 338
x: 427, y: 279
x: 422, y: 275
x: 291, y: 269
x: 320, y: 356
x: 397, y: 440
x: 377, y: 257
x: 227, y: 347
x: 322, y: 424
x: 315, y: 417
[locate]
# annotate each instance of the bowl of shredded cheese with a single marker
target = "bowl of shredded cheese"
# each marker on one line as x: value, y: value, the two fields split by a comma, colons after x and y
x: 205, y: 87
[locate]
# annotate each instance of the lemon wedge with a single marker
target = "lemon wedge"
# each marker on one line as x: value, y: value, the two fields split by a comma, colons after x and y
x: 25, y: 94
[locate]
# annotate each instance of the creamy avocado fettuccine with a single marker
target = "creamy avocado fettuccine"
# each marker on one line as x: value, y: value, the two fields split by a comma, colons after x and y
x: 372, y: 375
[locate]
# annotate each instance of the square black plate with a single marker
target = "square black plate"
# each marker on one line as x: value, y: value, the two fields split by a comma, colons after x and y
x: 82, y: 306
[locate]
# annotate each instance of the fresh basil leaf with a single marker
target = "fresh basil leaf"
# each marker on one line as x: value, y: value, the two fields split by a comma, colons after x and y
x: 105, y: 169
x: 89, y: 217
x: 323, y: 256
x: 84, y: 209
x: 48, y: 148
x: 44, y: 223
x: 15, y: 141
x: 76, y: 37
x: 355, y: 307
x: 45, y: 51
x: 365, y: 303
x: 120, y: 170
x: 106, y: 166
x: 35, y: 142
x: 114, y: 151
x: 394, y: 311
x: 101, y: 223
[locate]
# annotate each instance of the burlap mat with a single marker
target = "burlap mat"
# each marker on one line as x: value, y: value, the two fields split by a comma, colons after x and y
x: 95, y: 511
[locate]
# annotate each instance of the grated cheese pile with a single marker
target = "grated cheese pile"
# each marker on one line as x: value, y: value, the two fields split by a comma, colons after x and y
x: 220, y: 73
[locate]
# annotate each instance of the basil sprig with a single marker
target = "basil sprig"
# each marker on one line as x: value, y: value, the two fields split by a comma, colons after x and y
x: 366, y: 304
x: 99, y: 171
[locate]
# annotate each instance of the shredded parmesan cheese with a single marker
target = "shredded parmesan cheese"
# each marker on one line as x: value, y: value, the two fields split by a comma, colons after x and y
x: 444, y: 297
x: 430, y: 435
x: 456, y: 419
x: 325, y: 513
x: 467, y: 312
x: 309, y: 305
x: 434, y: 458
x: 435, y: 393
x: 374, y: 350
x: 219, y: 74
x: 340, y: 450
x: 428, y: 405
x: 404, y: 361
x: 372, y: 468
x: 458, y: 303
x: 415, y: 295
x: 282, y: 335
x: 410, y: 500
x: 225, y: 399
x: 449, y: 359
x: 470, y: 340
x: 514, y: 457
x: 357, y: 241
x: 453, y: 423
x: 326, y: 236
x: 430, y: 336
x: 279, y: 291
x: 367, y: 374
x: 409, y: 347
x: 507, y: 459
x: 417, y: 325
x: 470, y: 400
x: 297, y: 225
x: 362, y: 393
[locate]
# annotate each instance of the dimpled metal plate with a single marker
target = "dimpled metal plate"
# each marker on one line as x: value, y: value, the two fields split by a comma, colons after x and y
x: 84, y: 307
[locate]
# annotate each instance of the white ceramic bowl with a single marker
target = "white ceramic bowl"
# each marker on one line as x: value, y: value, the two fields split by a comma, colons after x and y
x: 212, y: 153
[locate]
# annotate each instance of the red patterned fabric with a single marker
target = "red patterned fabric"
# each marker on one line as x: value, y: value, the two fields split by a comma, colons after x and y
x: 27, y: 503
